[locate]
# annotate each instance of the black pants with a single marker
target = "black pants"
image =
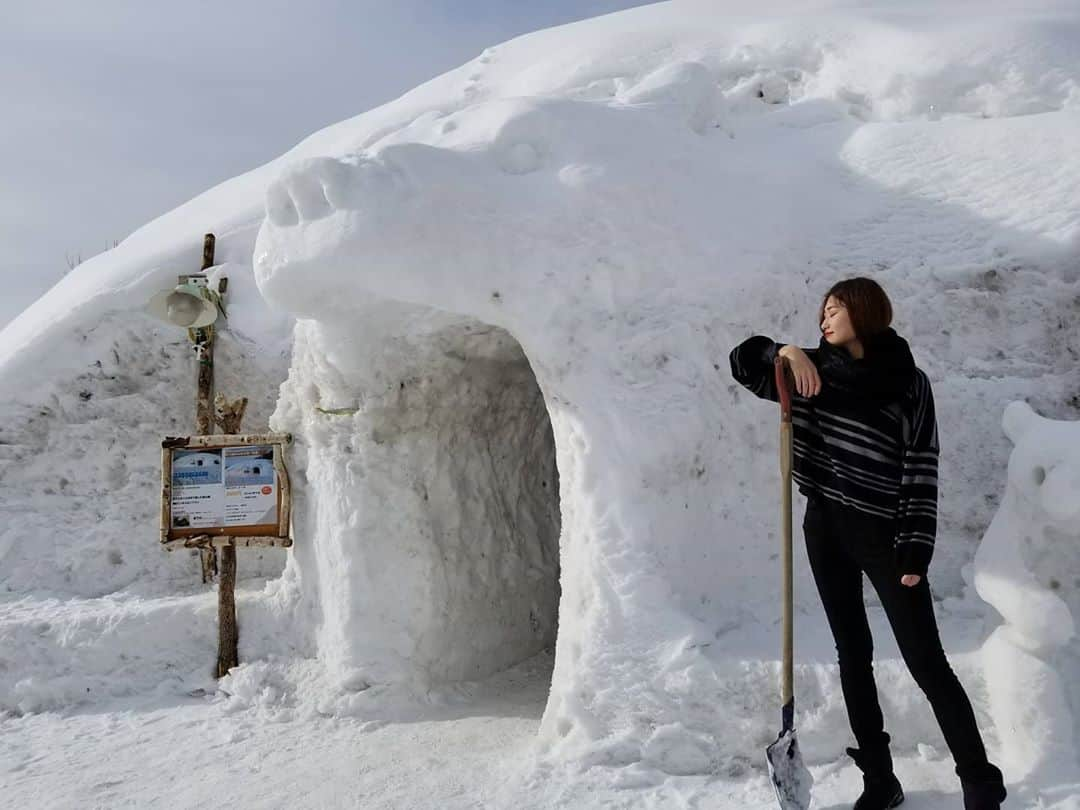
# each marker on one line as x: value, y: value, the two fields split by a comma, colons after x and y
x: 843, y: 543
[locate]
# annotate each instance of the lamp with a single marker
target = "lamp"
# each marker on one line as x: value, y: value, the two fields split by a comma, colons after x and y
x: 189, y: 305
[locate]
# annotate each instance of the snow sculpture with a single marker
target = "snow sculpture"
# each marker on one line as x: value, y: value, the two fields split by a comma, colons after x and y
x: 575, y: 258
x: 550, y: 319
x: 1027, y: 568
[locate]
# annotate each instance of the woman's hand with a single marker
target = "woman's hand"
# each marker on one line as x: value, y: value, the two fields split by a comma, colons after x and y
x: 911, y: 580
x: 807, y: 379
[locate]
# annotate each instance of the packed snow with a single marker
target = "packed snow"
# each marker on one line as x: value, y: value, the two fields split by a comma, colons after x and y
x: 536, y: 522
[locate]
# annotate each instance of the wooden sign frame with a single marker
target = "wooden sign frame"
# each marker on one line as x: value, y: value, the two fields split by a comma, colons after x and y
x: 269, y: 534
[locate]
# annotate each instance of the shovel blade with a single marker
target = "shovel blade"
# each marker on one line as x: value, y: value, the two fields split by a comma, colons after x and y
x: 790, y: 777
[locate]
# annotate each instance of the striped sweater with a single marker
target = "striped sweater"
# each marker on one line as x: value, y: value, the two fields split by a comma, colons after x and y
x: 880, y: 460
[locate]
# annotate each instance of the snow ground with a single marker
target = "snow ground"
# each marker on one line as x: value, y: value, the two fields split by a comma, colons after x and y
x: 470, y: 746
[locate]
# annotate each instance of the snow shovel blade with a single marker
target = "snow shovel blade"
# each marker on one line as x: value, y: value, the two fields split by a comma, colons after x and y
x: 790, y: 777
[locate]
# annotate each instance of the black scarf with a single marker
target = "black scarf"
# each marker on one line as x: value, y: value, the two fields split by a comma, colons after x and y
x: 880, y: 377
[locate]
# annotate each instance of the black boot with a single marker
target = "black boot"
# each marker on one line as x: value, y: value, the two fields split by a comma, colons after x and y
x: 984, y: 790
x: 881, y: 788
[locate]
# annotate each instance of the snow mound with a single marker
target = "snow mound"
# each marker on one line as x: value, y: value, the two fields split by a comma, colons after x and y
x: 509, y: 297
x: 626, y: 243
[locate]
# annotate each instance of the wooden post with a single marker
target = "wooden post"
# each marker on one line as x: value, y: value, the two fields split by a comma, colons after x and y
x: 208, y: 251
x: 228, y: 633
x: 204, y: 398
x: 204, y: 392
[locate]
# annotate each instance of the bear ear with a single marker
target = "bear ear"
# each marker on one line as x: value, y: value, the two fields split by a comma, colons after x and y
x: 1017, y: 419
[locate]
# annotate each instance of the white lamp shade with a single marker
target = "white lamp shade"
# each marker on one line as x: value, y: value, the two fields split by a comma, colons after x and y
x: 183, y: 306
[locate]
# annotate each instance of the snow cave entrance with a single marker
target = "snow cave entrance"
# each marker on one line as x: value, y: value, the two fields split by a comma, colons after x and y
x: 488, y: 499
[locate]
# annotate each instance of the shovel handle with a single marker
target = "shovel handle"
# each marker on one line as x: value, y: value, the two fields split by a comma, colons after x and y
x: 783, y: 387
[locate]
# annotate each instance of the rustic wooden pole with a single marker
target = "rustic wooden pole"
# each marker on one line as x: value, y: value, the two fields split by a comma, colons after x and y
x: 204, y: 392
x: 228, y: 633
x: 208, y: 251
x: 204, y: 398
x: 204, y: 408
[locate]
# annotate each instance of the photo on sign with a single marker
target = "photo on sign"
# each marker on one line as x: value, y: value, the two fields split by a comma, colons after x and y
x: 198, y: 499
x: 196, y: 467
x: 256, y: 470
x: 250, y: 491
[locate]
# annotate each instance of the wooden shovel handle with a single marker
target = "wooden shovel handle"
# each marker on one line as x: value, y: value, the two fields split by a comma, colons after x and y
x: 783, y: 387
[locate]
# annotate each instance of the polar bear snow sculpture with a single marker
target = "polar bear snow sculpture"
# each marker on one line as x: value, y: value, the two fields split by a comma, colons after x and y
x: 486, y: 297
x: 1028, y: 568
x: 456, y: 340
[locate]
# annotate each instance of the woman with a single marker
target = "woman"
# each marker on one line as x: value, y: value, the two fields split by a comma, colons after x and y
x: 865, y: 455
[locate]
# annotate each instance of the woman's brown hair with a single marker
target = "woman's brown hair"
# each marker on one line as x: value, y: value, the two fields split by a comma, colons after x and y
x: 869, y: 308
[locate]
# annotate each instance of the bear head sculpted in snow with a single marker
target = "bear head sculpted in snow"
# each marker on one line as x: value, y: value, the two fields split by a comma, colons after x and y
x: 1028, y: 565
x: 1028, y: 568
x: 492, y: 212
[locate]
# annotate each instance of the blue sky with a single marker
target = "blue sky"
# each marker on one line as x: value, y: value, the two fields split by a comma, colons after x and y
x: 116, y: 112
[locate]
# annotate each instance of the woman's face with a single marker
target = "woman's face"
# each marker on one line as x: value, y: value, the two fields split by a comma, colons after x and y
x: 836, y: 325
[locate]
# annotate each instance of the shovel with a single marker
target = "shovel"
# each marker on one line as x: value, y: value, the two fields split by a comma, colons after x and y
x: 789, y: 775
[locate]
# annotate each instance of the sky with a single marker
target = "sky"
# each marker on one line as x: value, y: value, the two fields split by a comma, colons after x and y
x: 116, y: 112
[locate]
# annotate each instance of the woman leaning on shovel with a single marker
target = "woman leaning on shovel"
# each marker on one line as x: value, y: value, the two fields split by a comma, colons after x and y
x: 865, y: 456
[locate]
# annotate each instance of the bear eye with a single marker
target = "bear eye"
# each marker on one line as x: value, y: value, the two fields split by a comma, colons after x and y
x: 1039, y: 474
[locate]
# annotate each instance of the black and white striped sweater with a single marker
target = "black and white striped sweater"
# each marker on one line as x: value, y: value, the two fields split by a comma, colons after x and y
x: 882, y: 460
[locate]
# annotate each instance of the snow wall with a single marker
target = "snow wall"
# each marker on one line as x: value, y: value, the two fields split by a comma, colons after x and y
x: 530, y: 270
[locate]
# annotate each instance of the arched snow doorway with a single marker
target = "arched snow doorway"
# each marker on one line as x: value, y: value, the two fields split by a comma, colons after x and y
x: 427, y: 519
x: 492, y: 494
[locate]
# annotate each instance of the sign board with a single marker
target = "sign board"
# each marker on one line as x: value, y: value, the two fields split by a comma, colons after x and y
x: 225, y: 486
